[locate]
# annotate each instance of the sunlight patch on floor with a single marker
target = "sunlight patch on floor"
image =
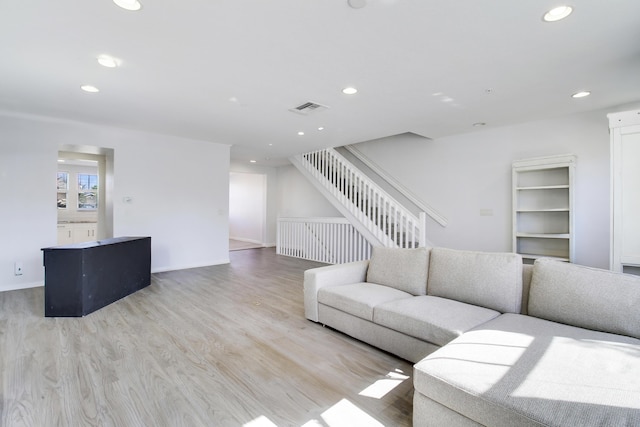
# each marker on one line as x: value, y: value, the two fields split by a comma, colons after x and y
x: 382, y: 387
x: 346, y: 414
x: 313, y: 423
x: 261, y: 421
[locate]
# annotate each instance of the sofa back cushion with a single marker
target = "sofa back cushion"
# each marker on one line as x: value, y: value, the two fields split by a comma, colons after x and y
x: 403, y: 269
x: 488, y: 279
x: 586, y: 297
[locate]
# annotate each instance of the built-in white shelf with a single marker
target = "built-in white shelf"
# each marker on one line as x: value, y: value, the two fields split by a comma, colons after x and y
x: 543, y: 187
x: 543, y: 207
x: 544, y: 210
x: 536, y: 256
x: 545, y: 235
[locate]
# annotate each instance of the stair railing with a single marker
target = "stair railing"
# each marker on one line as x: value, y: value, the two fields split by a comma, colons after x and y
x: 386, y: 221
x: 328, y: 240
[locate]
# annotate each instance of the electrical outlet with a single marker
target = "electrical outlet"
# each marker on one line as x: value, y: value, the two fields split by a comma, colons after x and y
x: 17, y: 269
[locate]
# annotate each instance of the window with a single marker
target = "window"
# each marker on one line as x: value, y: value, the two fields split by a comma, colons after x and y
x: 63, y: 186
x: 87, y: 191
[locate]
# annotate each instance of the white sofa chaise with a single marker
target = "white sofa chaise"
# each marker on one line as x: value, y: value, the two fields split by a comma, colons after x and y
x: 496, y: 343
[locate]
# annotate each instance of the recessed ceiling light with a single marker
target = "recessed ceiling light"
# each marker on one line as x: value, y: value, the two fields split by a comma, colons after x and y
x: 321, y: 128
x: 357, y: 4
x: 89, y: 88
x: 581, y: 94
x: 252, y: 161
x: 300, y: 133
x: 108, y: 61
x: 349, y: 90
x: 557, y: 13
x: 129, y: 4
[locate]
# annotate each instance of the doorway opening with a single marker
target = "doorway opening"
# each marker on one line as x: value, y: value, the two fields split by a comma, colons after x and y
x: 247, y: 210
x: 84, y: 194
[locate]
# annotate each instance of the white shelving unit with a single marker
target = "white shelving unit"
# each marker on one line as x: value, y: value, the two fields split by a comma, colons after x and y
x: 543, y: 207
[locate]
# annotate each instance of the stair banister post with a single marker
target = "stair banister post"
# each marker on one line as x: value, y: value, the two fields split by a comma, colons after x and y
x: 422, y: 229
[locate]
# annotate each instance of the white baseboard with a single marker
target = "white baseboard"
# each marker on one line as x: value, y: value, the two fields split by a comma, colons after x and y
x: 16, y: 286
x: 242, y: 239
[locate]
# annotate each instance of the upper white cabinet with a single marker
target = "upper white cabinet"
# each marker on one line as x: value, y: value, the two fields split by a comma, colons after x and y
x: 625, y: 190
x: 543, y: 207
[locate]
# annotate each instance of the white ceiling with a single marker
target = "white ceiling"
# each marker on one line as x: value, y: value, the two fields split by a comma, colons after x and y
x: 228, y: 71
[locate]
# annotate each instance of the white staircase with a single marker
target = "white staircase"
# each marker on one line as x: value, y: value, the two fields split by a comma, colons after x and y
x: 377, y: 216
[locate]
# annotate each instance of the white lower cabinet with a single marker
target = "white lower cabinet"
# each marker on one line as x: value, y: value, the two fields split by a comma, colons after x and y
x: 65, y: 234
x: 76, y: 232
x: 84, y: 232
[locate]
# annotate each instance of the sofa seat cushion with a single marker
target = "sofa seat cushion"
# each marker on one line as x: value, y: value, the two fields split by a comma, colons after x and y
x: 520, y: 370
x: 432, y: 319
x: 359, y: 299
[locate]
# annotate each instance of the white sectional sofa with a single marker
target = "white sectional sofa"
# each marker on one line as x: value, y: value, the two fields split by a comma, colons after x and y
x: 495, y: 343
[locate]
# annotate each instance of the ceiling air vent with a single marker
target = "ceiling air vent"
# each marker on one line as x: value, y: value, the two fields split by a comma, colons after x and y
x: 308, y: 108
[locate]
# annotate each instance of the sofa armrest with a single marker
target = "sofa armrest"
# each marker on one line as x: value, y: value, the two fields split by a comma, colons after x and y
x: 331, y: 275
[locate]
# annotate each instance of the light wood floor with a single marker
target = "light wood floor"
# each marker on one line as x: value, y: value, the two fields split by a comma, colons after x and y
x: 239, y: 245
x: 217, y: 346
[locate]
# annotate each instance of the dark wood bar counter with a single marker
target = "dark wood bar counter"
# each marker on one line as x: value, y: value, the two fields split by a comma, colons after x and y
x: 84, y: 277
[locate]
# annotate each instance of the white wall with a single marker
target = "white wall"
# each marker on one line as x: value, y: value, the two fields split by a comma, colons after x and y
x: 462, y: 174
x: 288, y: 194
x: 297, y: 197
x: 179, y: 190
x: 247, y: 213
